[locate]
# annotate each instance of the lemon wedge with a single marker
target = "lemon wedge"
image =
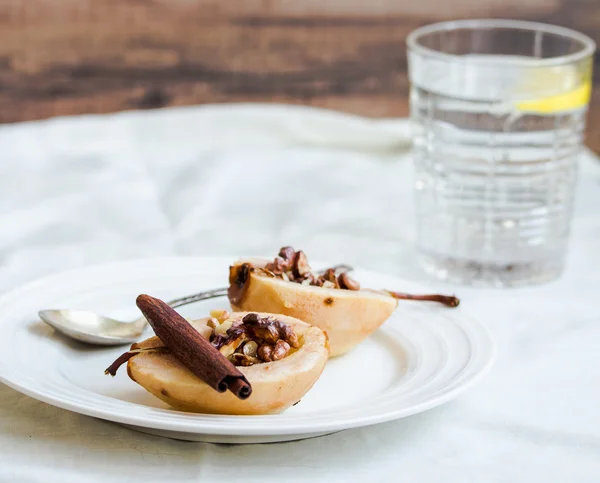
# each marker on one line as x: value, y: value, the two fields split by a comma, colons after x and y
x: 575, y: 99
x: 574, y: 88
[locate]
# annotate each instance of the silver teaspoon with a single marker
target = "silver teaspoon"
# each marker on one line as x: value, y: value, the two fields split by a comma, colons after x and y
x: 93, y: 328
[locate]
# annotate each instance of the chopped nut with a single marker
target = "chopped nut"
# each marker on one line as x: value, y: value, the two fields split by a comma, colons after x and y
x: 347, y: 283
x: 251, y: 318
x: 269, y: 330
x: 223, y: 327
x: 279, y: 265
x: 244, y: 360
x: 269, y: 353
x: 220, y: 315
x: 292, y: 266
x: 230, y: 347
x: 236, y: 330
x: 287, y: 253
x: 269, y: 334
x: 212, y: 323
x: 250, y: 348
x: 254, y: 336
x: 281, y: 350
x: 329, y: 276
x: 301, y: 267
x: 287, y: 334
x: 265, y: 351
x: 259, y: 328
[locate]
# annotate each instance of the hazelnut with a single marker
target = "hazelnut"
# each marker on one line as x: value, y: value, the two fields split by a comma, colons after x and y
x: 250, y: 348
x: 264, y: 352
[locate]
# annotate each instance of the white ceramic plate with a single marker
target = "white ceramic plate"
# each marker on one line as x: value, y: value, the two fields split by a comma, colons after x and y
x: 423, y: 356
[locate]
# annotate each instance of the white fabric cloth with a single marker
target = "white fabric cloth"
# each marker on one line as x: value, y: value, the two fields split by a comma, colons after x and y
x: 247, y: 179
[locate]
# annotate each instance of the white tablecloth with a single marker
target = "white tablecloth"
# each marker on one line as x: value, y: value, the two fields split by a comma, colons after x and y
x: 248, y: 179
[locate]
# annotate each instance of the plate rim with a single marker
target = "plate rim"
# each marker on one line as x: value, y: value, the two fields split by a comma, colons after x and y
x: 18, y: 380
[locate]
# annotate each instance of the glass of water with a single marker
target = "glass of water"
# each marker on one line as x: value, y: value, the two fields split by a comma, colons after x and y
x: 498, y: 108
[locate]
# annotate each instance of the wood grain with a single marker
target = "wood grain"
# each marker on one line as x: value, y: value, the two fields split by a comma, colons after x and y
x: 86, y: 56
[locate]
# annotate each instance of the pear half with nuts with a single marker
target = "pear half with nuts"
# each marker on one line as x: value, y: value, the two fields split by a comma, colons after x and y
x: 330, y: 300
x: 280, y: 356
x: 333, y: 302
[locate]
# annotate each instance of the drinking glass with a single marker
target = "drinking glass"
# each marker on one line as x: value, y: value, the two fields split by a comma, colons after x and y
x: 498, y: 108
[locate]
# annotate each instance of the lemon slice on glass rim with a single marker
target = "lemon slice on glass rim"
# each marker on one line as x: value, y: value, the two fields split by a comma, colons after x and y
x: 557, y: 89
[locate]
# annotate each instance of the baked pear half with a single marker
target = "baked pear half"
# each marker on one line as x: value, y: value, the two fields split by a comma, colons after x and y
x: 330, y: 300
x: 280, y: 356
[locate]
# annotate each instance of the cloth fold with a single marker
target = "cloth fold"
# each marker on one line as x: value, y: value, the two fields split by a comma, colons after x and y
x: 182, y: 181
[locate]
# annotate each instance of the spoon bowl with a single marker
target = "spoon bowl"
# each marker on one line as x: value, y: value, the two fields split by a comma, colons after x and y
x: 92, y: 328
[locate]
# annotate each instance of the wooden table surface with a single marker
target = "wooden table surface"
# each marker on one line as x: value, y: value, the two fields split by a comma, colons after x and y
x: 87, y: 56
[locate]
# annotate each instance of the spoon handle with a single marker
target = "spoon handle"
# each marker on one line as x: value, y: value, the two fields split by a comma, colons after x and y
x: 188, y: 299
x: 141, y: 323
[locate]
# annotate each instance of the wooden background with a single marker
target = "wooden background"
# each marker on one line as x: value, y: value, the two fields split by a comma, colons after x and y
x: 62, y: 57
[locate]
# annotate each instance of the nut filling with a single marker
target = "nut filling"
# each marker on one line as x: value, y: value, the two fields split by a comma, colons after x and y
x: 253, y: 339
x: 292, y: 266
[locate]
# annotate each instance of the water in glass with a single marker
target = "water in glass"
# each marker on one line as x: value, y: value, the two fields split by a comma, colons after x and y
x: 495, y: 171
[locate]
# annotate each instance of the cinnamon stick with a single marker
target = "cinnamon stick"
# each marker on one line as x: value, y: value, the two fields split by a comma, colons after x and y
x: 447, y: 300
x: 193, y: 350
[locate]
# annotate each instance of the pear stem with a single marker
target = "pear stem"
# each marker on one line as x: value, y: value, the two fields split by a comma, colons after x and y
x: 447, y: 300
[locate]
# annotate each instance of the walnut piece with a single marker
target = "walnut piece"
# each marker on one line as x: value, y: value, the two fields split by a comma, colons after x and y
x: 270, y: 353
x: 254, y: 339
x: 261, y: 328
x: 287, y: 334
x: 292, y: 266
